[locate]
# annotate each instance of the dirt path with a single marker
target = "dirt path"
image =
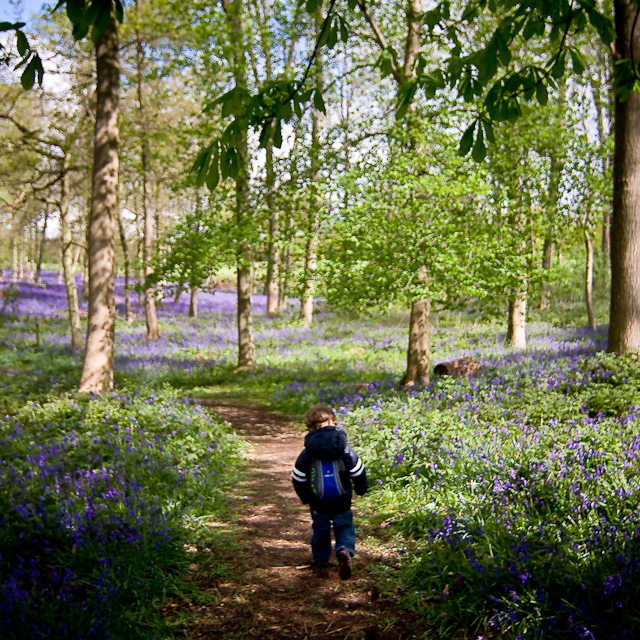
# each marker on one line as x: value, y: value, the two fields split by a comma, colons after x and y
x: 272, y: 592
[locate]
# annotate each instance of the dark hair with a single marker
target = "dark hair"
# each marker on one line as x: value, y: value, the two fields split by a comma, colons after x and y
x: 318, y: 414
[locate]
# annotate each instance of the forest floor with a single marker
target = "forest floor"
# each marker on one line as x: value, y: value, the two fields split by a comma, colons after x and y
x: 269, y: 589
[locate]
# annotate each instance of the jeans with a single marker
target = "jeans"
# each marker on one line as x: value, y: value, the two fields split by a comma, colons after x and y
x: 343, y: 531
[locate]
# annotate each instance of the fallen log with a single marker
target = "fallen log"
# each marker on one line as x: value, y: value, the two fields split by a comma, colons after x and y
x: 466, y: 367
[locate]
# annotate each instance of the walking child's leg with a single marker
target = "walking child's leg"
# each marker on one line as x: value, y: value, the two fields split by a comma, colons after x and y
x: 344, y: 532
x: 321, y: 540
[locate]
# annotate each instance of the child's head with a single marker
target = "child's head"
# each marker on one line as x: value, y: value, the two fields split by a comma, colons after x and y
x: 320, y: 415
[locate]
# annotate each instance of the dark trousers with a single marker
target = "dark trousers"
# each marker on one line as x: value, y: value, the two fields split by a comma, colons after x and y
x: 343, y: 531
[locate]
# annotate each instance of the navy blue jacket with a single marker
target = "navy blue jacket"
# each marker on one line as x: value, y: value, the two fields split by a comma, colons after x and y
x: 328, y: 444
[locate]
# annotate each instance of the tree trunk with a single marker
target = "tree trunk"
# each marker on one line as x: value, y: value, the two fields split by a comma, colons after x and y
x: 176, y: 299
x: 127, y: 270
x: 246, y: 343
x: 547, y: 260
x: 153, y: 329
x: 273, y: 308
x: 14, y: 258
x: 624, y: 320
x: 311, y: 249
x: 517, y: 322
x: 419, y: 348
x: 97, y: 371
x: 22, y: 267
x: 42, y: 243
x: 67, y: 261
x: 588, y: 279
x: 193, y: 303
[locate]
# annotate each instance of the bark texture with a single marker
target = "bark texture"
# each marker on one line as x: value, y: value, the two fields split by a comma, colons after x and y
x: 419, y: 348
x: 153, y: 329
x: 588, y: 279
x: 97, y: 372
x: 273, y: 261
x: 193, y: 303
x: 547, y: 260
x: 244, y: 258
x: 624, y: 320
x: 127, y: 270
x: 517, y: 322
x: 43, y: 238
x: 68, y: 263
x: 311, y: 248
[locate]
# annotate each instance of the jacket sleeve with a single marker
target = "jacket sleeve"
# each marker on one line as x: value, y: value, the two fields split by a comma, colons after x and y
x: 357, y: 473
x: 300, y: 477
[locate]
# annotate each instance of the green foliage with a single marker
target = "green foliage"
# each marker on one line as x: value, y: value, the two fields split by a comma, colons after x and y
x: 95, y: 496
x: 30, y: 59
x: 517, y: 492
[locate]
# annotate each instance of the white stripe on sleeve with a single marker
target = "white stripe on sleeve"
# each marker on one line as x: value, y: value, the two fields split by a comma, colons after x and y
x: 358, y: 469
x: 296, y: 474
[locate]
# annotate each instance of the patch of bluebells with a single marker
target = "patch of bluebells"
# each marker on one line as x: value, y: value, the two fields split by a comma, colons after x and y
x: 94, y: 493
x: 521, y: 488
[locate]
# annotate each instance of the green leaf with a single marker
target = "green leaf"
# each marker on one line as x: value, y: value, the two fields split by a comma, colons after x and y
x: 557, y: 71
x: 352, y: 4
x: 203, y: 168
x: 213, y: 177
x: 542, y: 95
x: 318, y: 102
x: 11, y: 26
x: 467, y: 140
x: 488, y: 64
x: 312, y: 6
x: 229, y: 163
x: 488, y: 129
x: 578, y: 63
x: 344, y: 31
x: 265, y: 134
x: 479, y: 149
x: 406, y: 94
x: 324, y: 36
x: 277, y: 136
x: 503, y: 48
x: 119, y: 11
x: 28, y: 77
x: 332, y: 39
x: 75, y: 10
x: 102, y: 21
x: 22, y: 43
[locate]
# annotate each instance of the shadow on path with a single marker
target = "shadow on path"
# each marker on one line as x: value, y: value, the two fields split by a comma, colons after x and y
x: 272, y: 591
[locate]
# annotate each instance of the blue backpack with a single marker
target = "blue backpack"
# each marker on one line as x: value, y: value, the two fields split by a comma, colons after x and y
x: 325, y: 480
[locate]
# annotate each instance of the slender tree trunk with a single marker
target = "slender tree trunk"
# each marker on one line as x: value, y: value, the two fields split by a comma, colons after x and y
x: 42, y: 243
x: 176, y: 299
x: 547, y: 260
x: 419, y: 347
x: 311, y: 248
x: 67, y: 261
x: 153, y: 329
x: 127, y: 269
x: 22, y: 273
x: 517, y: 322
x: 246, y: 342
x: 97, y: 372
x: 193, y: 303
x: 624, y: 321
x: 588, y: 279
x: 14, y: 259
x: 273, y: 308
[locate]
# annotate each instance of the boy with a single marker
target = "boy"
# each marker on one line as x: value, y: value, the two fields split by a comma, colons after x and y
x: 322, y: 478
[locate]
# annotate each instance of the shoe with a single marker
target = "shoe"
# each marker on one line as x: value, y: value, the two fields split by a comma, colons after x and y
x: 344, y: 565
x: 321, y: 569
